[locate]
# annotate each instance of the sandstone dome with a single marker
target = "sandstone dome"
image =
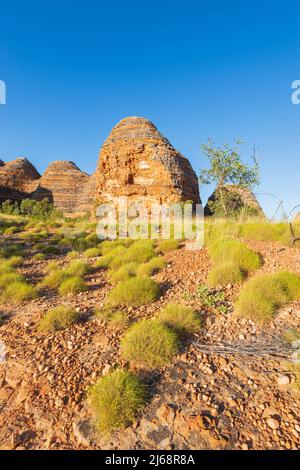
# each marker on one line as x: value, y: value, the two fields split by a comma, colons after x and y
x: 137, y: 161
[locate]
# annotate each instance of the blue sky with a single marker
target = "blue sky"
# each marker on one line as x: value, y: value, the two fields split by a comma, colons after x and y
x: 197, y: 69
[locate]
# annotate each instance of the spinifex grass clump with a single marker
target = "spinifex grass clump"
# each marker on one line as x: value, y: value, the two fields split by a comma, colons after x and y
x: 150, y: 343
x: 92, y: 252
x: 72, y: 285
x: 7, y: 265
x: 139, y: 253
x: 150, y: 268
x: 123, y: 273
x: 262, y: 296
x: 77, y: 268
x: 115, y: 400
x: 136, y: 291
x: 69, y: 280
x: 226, y: 273
x: 168, y: 245
x: 232, y: 260
x: 58, y: 318
x: 234, y: 251
x: 108, y: 258
x: 180, y: 318
x: 18, y: 292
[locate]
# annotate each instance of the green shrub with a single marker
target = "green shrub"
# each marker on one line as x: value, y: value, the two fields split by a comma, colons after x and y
x: 168, y: 245
x: 262, y: 296
x: 223, y: 274
x: 58, y: 318
x: 9, y: 278
x: 115, y: 400
x: 108, y: 245
x: 181, y: 319
x: 51, y: 250
x: 72, y: 285
x: 263, y: 231
x: 150, y: 268
x: 106, y: 260
x: 92, y: 240
x: 135, y: 291
x: 7, y: 265
x: 17, y: 292
x: 77, y: 268
x: 137, y: 253
x: 236, y: 252
x: 149, y: 343
x: 124, y: 272
x: 54, y: 278
x: 92, y: 252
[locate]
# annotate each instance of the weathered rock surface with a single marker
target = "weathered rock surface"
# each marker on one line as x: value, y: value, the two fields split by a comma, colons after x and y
x: 246, y: 195
x: 69, y: 188
x: 17, y: 179
x: 138, y: 162
x: 63, y: 183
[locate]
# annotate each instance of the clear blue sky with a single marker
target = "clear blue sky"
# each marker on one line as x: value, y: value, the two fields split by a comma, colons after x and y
x: 197, y: 69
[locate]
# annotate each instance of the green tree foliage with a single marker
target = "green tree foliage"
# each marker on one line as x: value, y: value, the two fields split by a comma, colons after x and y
x: 226, y: 167
x: 28, y: 208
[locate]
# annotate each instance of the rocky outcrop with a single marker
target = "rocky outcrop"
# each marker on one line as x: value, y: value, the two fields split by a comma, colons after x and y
x: 63, y: 183
x: 138, y: 162
x: 135, y: 161
x: 17, y: 178
x: 70, y: 189
x: 245, y: 197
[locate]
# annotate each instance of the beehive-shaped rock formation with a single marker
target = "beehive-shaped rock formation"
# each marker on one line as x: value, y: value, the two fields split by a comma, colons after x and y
x: 70, y: 189
x: 247, y: 199
x: 138, y: 162
x: 17, y: 178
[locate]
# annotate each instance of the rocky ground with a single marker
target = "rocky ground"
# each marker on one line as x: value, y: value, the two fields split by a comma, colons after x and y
x: 204, y: 400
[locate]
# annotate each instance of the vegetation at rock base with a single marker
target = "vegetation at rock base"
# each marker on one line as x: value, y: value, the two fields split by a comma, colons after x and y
x: 262, y: 296
x: 58, y: 318
x: 116, y: 399
x: 226, y: 167
x: 135, y: 291
x: 180, y: 318
x: 149, y: 343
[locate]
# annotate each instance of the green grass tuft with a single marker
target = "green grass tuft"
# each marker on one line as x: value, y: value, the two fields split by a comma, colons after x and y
x: 18, y: 292
x: 136, y: 291
x: 123, y: 273
x: 168, y: 245
x: 236, y: 252
x: 150, y: 268
x: 224, y: 274
x: 149, y: 343
x: 58, y: 318
x: 77, y: 268
x: 262, y: 296
x: 115, y: 400
x: 72, y: 285
x: 181, y: 319
x: 92, y: 252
